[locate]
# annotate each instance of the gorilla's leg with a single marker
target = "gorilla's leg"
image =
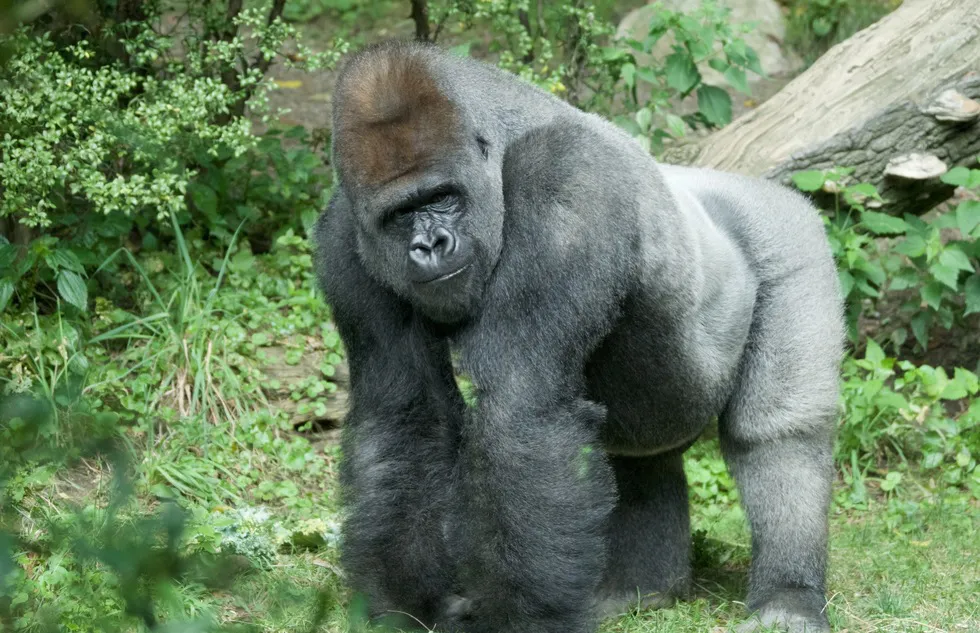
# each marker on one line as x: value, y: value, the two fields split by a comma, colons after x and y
x: 649, y: 535
x: 776, y: 436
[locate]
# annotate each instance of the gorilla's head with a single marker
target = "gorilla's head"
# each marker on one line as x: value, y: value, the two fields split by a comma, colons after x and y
x: 423, y: 180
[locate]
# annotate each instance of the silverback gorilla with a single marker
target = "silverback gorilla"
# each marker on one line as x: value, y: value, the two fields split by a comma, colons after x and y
x: 607, y: 309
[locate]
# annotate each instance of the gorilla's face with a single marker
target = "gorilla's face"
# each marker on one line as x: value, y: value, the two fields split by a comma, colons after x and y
x: 434, y: 236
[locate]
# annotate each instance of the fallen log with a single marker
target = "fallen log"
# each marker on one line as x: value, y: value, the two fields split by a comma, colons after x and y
x: 899, y: 102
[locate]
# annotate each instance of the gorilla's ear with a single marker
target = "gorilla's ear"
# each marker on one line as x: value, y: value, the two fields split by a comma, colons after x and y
x: 390, y: 115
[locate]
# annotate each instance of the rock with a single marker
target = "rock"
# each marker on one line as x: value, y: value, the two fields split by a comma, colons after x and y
x: 766, y: 38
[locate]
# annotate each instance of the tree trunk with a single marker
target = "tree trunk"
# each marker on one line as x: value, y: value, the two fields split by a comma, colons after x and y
x: 907, y: 85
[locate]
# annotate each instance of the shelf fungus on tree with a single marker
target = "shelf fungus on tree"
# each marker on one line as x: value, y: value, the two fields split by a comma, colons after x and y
x: 915, y: 167
x: 953, y: 107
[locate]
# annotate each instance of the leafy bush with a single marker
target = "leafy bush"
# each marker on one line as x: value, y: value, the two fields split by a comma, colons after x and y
x: 896, y: 410
x: 99, y: 151
x: 934, y: 262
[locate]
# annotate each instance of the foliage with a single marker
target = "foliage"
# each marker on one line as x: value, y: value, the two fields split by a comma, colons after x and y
x: 896, y: 410
x: 98, y: 151
x: 816, y: 25
x: 938, y: 275
x: 706, y: 36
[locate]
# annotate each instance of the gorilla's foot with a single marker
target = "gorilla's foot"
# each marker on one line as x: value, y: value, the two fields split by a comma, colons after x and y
x: 615, y: 605
x: 792, y: 610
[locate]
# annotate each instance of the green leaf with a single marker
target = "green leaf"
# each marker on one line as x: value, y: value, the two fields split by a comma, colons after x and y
x: 873, y: 353
x: 6, y: 292
x: 891, y: 481
x: 8, y: 254
x: 736, y: 78
x: 920, y: 328
x: 675, y: 124
x: 971, y: 290
x: 955, y: 258
x: 719, y: 64
x: 643, y: 118
x: 821, y: 26
x: 968, y: 216
x: 715, y: 104
x: 682, y: 74
x: 809, y: 180
x: 957, y: 176
x: 846, y: 282
x: 628, y: 72
x: 932, y: 294
x: 882, y: 223
x: 63, y: 258
x: 946, y: 274
x: 205, y: 199
x: 752, y: 61
x: 912, y: 246
x: 72, y: 289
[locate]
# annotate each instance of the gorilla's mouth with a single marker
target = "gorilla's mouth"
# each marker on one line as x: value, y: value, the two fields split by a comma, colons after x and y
x: 447, y: 276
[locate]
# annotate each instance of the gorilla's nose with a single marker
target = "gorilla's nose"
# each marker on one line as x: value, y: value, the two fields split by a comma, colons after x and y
x: 430, y: 249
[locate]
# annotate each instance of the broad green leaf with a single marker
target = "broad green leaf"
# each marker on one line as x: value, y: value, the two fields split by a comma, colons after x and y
x: 955, y: 258
x: 846, y: 282
x: 957, y: 176
x: 682, y: 74
x: 968, y: 216
x: 8, y: 254
x: 905, y: 278
x: 946, y: 274
x: 6, y: 292
x: 675, y: 124
x: 882, y: 223
x: 715, y: 104
x: 736, y: 78
x: 971, y: 290
x: 752, y: 61
x: 643, y: 118
x: 628, y: 72
x: 920, y: 328
x: 932, y: 294
x: 205, y: 199
x: 63, y: 258
x: 809, y: 180
x: 912, y: 246
x: 719, y: 64
x: 72, y: 289
x: 821, y: 26
x: 874, y: 353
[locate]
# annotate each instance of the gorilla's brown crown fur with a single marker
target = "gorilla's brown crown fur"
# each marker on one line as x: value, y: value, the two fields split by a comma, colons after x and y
x: 390, y: 116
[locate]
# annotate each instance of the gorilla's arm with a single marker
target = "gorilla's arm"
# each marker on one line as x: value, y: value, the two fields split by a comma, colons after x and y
x: 399, y: 437
x: 537, y: 488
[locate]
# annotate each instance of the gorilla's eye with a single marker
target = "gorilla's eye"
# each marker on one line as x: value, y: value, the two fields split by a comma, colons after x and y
x: 484, y: 146
x: 442, y: 202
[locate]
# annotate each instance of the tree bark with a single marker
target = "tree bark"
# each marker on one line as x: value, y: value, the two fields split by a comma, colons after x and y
x: 868, y: 103
x: 420, y: 15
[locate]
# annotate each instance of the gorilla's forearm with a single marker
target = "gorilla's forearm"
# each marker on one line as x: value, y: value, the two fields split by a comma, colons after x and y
x: 534, y: 560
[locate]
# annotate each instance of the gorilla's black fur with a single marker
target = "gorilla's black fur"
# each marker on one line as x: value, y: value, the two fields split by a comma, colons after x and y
x: 606, y: 309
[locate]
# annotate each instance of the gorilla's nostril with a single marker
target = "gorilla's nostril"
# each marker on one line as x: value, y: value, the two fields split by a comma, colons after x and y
x: 443, y: 243
x: 421, y: 245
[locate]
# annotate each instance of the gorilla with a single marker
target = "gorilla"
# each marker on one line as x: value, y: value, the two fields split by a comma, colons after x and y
x: 607, y: 310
